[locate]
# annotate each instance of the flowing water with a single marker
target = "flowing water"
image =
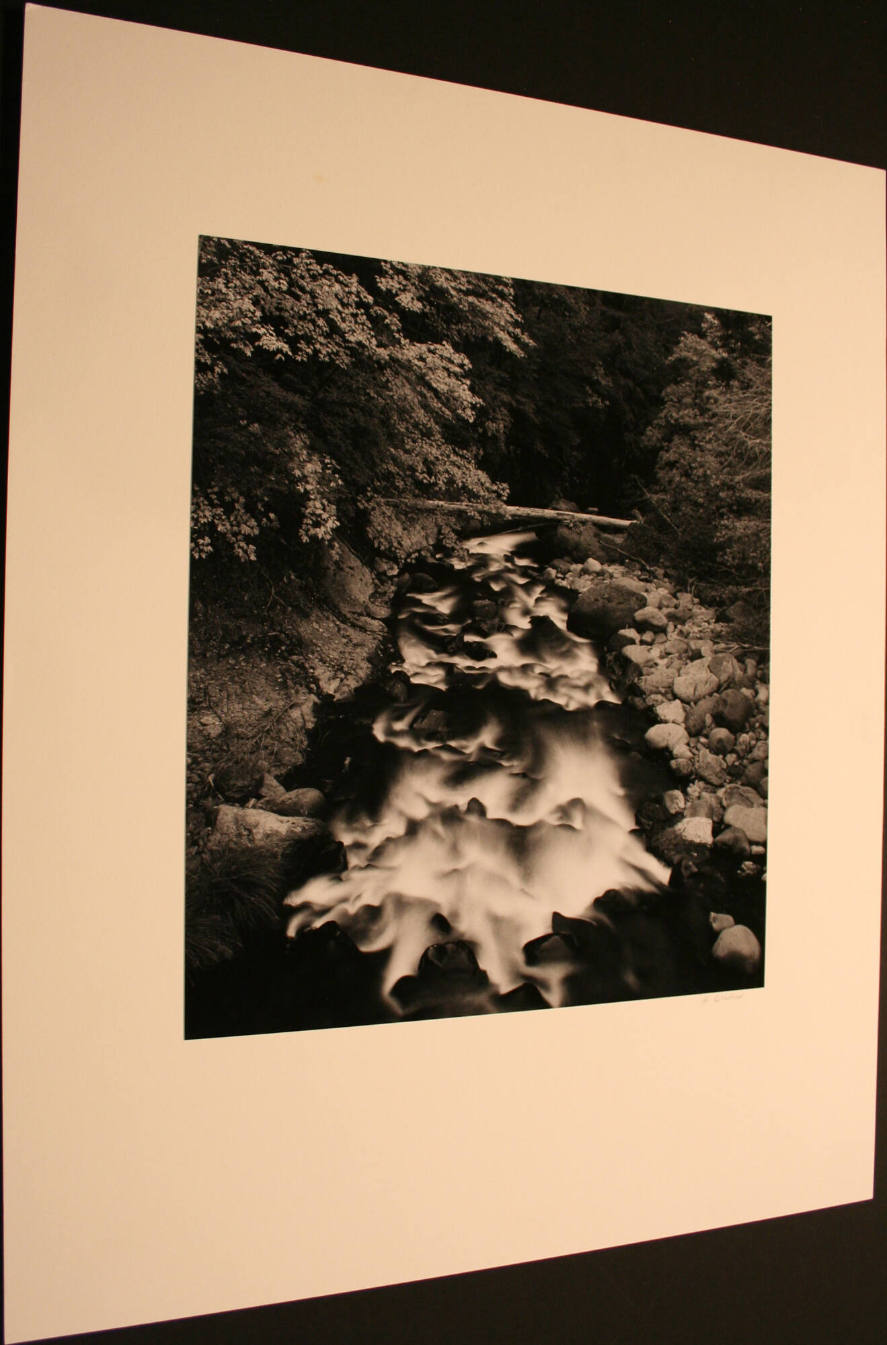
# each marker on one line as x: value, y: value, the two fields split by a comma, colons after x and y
x: 503, y: 816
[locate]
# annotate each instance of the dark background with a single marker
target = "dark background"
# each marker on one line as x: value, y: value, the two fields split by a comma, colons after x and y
x: 807, y: 77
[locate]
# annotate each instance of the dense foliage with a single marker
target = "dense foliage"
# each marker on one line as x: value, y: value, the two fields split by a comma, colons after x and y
x: 324, y: 380
x: 708, y: 505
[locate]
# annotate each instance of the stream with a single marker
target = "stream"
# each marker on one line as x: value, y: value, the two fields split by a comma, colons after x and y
x: 493, y: 857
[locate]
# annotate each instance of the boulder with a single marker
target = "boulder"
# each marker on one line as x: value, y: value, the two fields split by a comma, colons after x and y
x: 345, y: 581
x: 605, y: 607
x: 737, y: 949
x: 753, y: 821
x: 578, y: 541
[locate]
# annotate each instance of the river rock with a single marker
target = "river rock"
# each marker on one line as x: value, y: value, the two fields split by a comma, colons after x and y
x: 737, y: 949
x: 670, y: 712
x: 657, y: 680
x: 675, y: 645
x: 707, y: 805
x: 695, y: 682
x: 257, y: 829
x: 733, y: 841
x: 755, y: 775
x: 725, y: 668
x: 591, y: 565
x: 753, y: 821
x: 688, y: 839
x: 578, y: 541
x: 665, y: 737
x: 735, y: 709
x: 721, y: 741
x: 650, y: 619
x: 637, y: 654
x: 742, y: 795
x: 694, y: 720
x: 270, y: 787
x: 295, y: 803
x: 711, y: 768
x: 605, y: 607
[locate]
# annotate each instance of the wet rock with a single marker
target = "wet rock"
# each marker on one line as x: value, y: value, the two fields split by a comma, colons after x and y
x: 665, y: 737
x: 735, y: 710
x: 605, y: 607
x: 650, y: 619
x: 710, y: 768
x: 721, y: 741
x: 695, y: 682
x: 753, y: 821
x: 734, y: 842
x: 296, y: 803
x: 737, y: 949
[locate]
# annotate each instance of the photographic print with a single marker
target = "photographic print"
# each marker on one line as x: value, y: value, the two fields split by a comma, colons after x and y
x: 479, y: 644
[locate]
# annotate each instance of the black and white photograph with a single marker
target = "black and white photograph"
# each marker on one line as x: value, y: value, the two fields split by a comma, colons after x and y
x: 479, y: 644
x: 444, y: 674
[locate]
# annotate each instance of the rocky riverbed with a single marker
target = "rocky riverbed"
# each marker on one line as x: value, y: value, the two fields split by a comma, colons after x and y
x: 688, y: 744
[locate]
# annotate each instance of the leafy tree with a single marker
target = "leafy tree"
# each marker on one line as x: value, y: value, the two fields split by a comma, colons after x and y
x: 321, y: 378
x: 709, y: 502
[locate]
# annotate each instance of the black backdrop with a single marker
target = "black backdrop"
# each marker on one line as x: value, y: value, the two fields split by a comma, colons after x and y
x: 807, y: 77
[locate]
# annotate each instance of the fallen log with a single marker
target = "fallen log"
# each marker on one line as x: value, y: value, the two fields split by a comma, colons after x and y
x: 514, y: 513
